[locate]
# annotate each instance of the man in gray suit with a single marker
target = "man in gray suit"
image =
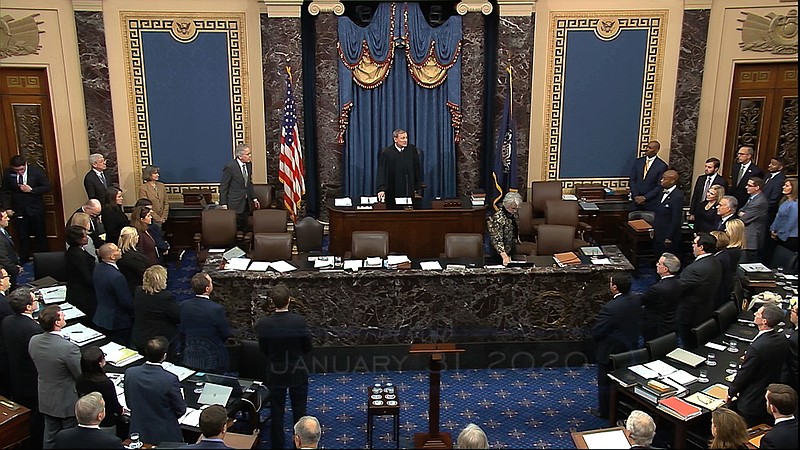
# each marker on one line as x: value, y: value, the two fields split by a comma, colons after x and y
x: 755, y: 217
x: 58, y: 362
x: 236, y: 188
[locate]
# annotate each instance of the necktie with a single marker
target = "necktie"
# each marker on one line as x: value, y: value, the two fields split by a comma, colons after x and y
x: 646, y: 167
x: 706, y: 187
x: 103, y: 178
x: 741, y: 175
x: 20, y: 181
x: 244, y: 173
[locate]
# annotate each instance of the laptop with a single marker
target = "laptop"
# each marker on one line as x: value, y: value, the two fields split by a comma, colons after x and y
x: 215, y: 394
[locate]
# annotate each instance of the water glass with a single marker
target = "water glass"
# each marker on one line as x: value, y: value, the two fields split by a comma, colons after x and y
x: 711, y: 359
x: 780, y: 272
x: 733, y: 366
x: 703, y: 378
x: 733, y: 346
x: 135, y: 443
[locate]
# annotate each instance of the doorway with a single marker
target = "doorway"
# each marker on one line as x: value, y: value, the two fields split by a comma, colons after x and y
x: 26, y: 124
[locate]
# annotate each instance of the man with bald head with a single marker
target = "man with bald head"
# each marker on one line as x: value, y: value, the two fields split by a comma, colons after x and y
x: 93, y: 208
x: 644, y: 180
x: 668, y: 210
x: 307, y: 432
x: 114, y: 302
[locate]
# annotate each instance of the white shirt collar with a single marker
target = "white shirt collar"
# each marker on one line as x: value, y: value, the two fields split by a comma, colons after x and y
x: 399, y: 149
x: 699, y: 257
x: 784, y: 419
x: 97, y: 427
x: 98, y: 172
x: 669, y: 190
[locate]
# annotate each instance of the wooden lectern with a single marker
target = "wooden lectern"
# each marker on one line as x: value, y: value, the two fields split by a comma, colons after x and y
x: 433, y: 438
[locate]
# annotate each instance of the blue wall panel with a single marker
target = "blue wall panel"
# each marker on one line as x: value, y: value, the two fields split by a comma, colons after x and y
x: 602, y: 100
x: 189, y: 106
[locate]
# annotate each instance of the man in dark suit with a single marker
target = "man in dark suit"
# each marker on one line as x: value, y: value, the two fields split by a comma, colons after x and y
x: 8, y: 255
x: 213, y: 424
x: 5, y: 311
x: 726, y: 210
x: 761, y: 365
x: 399, y: 170
x: 668, y: 210
x: 709, y: 178
x: 236, y: 188
x: 58, y: 363
x: 700, y: 281
x: 89, y: 411
x: 27, y: 183
x: 616, y: 330
x: 154, y: 396
x: 646, y: 176
x: 114, y: 312
x: 742, y: 170
x: 95, y: 181
x: 789, y: 374
x: 660, y: 301
x: 204, y: 329
x: 781, y: 404
x: 754, y: 216
x: 284, y: 338
x: 773, y: 184
x: 18, y: 329
x: 93, y: 208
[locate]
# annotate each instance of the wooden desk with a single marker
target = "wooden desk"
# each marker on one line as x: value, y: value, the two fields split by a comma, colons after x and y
x: 418, y: 233
x: 580, y: 441
x: 606, y: 220
x: 15, y: 423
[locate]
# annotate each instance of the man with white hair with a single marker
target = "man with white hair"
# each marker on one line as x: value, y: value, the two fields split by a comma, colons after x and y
x: 472, y: 436
x: 93, y: 208
x: 95, y: 181
x: 642, y: 429
x: 307, y: 432
x: 90, y: 411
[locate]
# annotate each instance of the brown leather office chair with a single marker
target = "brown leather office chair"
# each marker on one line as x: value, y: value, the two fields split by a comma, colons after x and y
x: 218, y: 231
x: 50, y: 264
x: 463, y: 245
x: 369, y: 243
x: 562, y: 212
x: 540, y: 192
x: 263, y: 194
x: 272, y: 247
x: 525, y: 222
x: 551, y: 239
x: 308, y: 235
x: 270, y: 220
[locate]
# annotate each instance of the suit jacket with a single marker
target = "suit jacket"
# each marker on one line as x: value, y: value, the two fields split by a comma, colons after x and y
x: 728, y: 261
x: 155, y: 315
x: 206, y: 444
x: 773, y: 192
x: 649, y: 186
x: 203, y: 323
x: 114, y: 220
x: 157, y: 195
x: 232, y: 189
x: 114, y: 300
x: 80, y: 282
x: 95, y: 188
x: 754, y: 216
x: 17, y: 333
x: 761, y: 366
x: 58, y: 363
x: 668, y: 217
x: 617, y: 327
x: 81, y: 437
x: 782, y: 435
x: 738, y: 189
x: 132, y: 265
x: 9, y: 259
x: 789, y: 374
x: 700, y: 281
x: 660, y: 303
x: 698, y: 198
x: 154, y: 397
x: 284, y: 338
x: 27, y: 203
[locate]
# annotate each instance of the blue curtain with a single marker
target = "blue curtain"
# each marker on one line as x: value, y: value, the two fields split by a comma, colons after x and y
x: 431, y: 114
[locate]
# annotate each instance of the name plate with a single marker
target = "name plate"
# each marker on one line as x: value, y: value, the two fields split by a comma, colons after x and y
x: 342, y: 201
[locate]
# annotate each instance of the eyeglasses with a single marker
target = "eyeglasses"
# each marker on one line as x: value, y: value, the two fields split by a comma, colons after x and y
x: 742, y: 153
x: 4, y: 276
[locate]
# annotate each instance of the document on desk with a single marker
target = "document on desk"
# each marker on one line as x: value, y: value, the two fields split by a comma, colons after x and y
x: 181, y: 372
x: 53, y: 294
x: 660, y: 367
x: 394, y: 260
x: 705, y: 401
x: 119, y: 356
x: 71, y: 312
x: 686, y: 357
x: 191, y: 418
x: 644, y: 372
x: 430, y: 265
x: 606, y: 439
x: 373, y: 262
x: 715, y: 346
x: 352, y: 264
x: 238, y: 264
x: 81, y: 335
x: 282, y: 266
x: 682, y: 377
x: 601, y: 261
x: 323, y: 262
x: 117, y: 380
x: 258, y: 266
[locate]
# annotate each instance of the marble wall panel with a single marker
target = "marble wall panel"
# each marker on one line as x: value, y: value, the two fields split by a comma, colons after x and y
x: 326, y: 87
x: 516, y: 49
x: 281, y: 46
x: 96, y: 88
x: 468, y: 152
x: 687, y: 94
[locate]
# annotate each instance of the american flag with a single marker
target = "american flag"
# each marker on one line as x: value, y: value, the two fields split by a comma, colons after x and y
x: 290, y: 170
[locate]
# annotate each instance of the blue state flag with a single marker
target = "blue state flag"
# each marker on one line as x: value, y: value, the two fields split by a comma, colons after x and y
x: 504, y: 172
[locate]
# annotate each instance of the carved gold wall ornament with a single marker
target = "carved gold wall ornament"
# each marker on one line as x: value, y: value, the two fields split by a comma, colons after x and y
x: 774, y: 33
x: 326, y: 6
x: 474, y: 6
x: 19, y: 37
x: 607, y: 28
x: 183, y: 30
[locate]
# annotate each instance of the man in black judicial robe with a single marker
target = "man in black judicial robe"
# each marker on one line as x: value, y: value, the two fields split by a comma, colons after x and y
x: 399, y: 170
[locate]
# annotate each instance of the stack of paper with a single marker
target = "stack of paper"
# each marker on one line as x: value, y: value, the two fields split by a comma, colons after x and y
x: 53, y: 294
x: 430, y: 265
x: 281, y: 266
x: 81, y: 334
x: 258, y: 266
x: 179, y: 371
x: 323, y: 262
x: 119, y: 356
x: 191, y: 418
x: 373, y: 262
x: 353, y: 264
x: 686, y: 357
x: 71, y: 312
x: 566, y: 259
x: 398, y: 262
x: 662, y: 368
x: 117, y: 379
x: 238, y: 263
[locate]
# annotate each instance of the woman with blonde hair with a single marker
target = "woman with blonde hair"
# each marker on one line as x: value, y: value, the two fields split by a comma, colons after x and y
x: 724, y: 256
x: 84, y: 221
x: 133, y: 263
x: 706, y: 218
x: 156, y: 312
x: 728, y: 430
x: 734, y: 228
x: 784, y: 227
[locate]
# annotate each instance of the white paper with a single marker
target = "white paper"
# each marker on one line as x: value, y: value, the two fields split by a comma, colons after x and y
x: 613, y: 439
x: 643, y: 372
x: 119, y: 356
x: 490, y: 266
x: 430, y: 265
x: 369, y: 200
x: 754, y: 267
x: 342, y: 201
x: 181, y: 372
x: 238, y: 264
x: 568, y: 197
x: 661, y: 367
x: 601, y: 261
x: 676, y: 385
x: 402, y: 200
x: 117, y: 379
x: 364, y: 207
x: 81, y: 334
x: 352, y: 264
x: 216, y: 250
x: 54, y: 294
x: 394, y: 260
x: 235, y: 252
x: 790, y: 277
x: 686, y: 357
x: 715, y: 346
x: 323, y: 262
x: 121, y: 399
x: 373, y: 262
x: 282, y: 266
x: 258, y: 266
x: 191, y: 418
x: 71, y: 312
x: 682, y: 377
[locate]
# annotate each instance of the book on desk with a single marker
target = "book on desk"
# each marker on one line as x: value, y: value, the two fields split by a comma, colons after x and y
x: 679, y: 408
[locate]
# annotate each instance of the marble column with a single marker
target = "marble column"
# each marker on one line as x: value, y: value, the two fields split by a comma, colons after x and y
x: 468, y: 152
x: 687, y: 94
x: 96, y: 88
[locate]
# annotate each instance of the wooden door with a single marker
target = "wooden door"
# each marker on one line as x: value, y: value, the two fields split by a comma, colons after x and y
x: 26, y: 128
x: 763, y: 114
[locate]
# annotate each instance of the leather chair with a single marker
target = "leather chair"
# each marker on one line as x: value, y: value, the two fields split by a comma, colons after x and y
x: 463, y: 245
x: 540, y: 192
x: 629, y: 358
x: 263, y: 194
x: 647, y: 216
x: 369, y: 243
x: 254, y: 363
x: 552, y: 239
x: 660, y: 346
x: 218, y: 230
x: 561, y: 212
x: 308, y: 235
x: 50, y: 264
x: 726, y: 315
x: 525, y: 222
x: 270, y: 220
x: 705, y: 331
x: 783, y: 257
x: 272, y: 247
